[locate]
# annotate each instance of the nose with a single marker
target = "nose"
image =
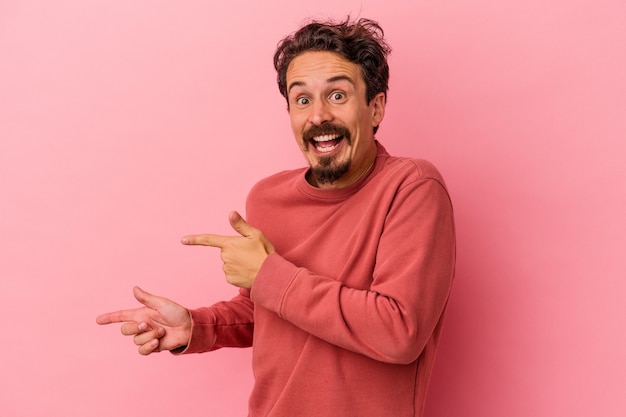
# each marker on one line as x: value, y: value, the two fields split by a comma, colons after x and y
x: 320, y: 112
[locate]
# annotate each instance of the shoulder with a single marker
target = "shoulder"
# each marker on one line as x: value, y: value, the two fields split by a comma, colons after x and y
x: 406, y: 170
x: 277, y: 184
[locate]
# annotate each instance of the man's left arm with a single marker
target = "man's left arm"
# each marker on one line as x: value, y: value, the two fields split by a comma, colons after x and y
x: 395, y: 317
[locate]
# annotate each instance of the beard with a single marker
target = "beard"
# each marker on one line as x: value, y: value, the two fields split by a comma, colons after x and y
x: 328, y: 170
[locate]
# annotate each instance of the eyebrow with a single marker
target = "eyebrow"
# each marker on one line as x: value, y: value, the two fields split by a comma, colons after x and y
x: 330, y: 80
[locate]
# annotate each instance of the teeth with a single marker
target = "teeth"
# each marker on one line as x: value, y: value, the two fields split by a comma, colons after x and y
x: 322, y: 145
x: 325, y: 148
x: 325, y: 138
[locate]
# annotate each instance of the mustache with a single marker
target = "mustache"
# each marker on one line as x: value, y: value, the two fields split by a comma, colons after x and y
x: 326, y: 129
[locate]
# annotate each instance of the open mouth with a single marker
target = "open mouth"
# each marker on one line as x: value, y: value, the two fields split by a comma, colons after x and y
x: 326, y: 143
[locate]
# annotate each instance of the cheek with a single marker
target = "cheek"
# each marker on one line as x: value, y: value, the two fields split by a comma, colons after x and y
x: 297, y: 129
x: 297, y: 124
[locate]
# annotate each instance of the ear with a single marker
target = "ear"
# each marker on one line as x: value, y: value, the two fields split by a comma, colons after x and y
x: 377, y: 105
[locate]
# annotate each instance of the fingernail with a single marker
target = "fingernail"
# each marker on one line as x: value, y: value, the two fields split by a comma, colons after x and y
x: 142, y: 327
x: 185, y: 241
x: 161, y: 331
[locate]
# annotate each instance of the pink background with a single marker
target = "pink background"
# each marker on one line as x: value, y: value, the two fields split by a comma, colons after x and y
x: 127, y: 124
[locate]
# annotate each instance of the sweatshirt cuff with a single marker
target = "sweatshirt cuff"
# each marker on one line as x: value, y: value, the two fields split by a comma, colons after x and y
x: 203, y: 335
x: 272, y: 282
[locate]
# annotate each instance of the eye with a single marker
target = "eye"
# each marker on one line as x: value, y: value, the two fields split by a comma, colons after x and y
x: 302, y: 101
x: 337, y: 96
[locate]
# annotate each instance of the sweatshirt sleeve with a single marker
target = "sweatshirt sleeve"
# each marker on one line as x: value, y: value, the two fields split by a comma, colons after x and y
x: 224, y: 324
x: 393, y: 319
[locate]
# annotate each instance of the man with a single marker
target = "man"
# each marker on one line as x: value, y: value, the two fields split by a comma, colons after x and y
x: 344, y: 267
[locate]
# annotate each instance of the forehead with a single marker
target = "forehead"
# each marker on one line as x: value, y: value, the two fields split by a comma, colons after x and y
x: 321, y: 66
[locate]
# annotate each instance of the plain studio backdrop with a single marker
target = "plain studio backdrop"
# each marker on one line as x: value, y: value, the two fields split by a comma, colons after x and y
x: 125, y: 125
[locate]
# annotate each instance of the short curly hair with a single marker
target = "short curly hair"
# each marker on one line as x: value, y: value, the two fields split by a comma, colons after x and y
x: 361, y: 42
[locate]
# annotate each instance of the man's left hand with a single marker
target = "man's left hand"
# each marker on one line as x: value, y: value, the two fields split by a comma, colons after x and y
x: 242, y: 255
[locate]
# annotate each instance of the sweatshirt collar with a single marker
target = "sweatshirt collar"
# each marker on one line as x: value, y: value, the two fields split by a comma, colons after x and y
x: 341, y: 193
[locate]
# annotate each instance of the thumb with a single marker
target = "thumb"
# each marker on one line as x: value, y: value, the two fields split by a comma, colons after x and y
x: 147, y: 299
x: 239, y: 224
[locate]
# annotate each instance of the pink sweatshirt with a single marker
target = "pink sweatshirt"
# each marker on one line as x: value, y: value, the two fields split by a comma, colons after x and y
x: 345, y: 317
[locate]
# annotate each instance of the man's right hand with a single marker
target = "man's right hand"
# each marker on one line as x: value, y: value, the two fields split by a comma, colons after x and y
x: 160, y: 325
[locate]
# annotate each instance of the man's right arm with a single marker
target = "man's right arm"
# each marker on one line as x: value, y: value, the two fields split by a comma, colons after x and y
x: 162, y: 324
x: 224, y: 324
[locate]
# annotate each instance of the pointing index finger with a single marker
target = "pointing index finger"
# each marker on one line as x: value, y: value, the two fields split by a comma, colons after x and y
x: 120, y: 316
x: 215, y: 241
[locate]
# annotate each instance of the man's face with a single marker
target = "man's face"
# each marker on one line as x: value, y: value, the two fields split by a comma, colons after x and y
x: 331, y: 120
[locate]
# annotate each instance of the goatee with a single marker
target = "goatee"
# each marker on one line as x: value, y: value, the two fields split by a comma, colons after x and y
x: 328, y: 170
